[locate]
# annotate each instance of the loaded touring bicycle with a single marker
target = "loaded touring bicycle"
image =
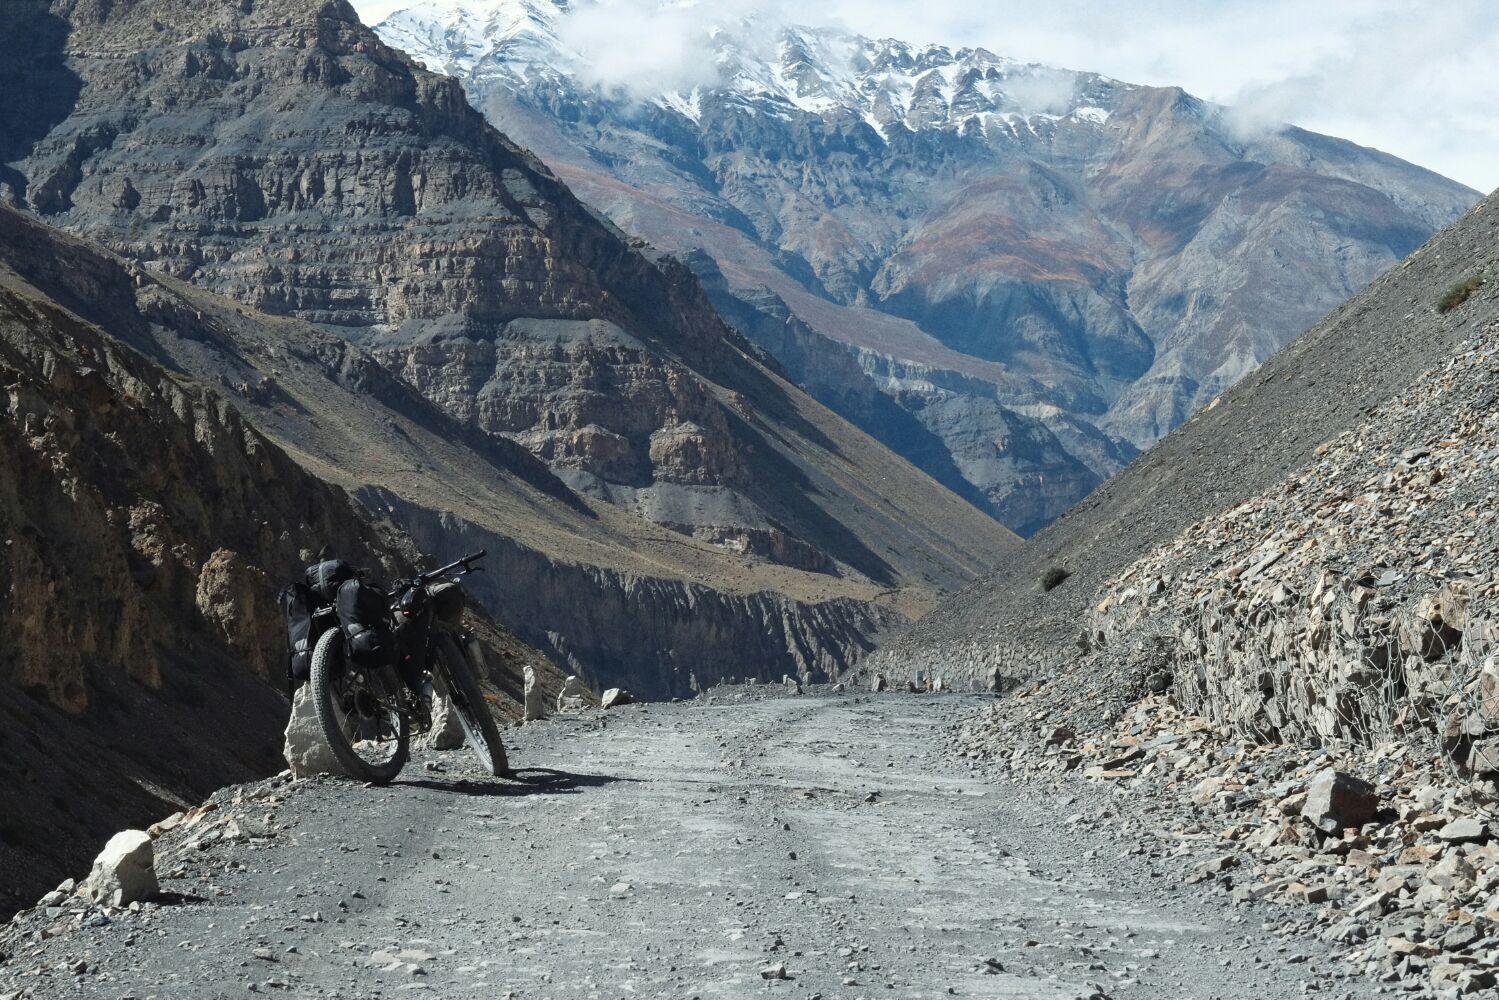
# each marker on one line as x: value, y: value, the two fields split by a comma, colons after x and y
x: 373, y: 659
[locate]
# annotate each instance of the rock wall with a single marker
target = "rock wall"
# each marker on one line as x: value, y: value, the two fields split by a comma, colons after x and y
x: 144, y: 530
x: 1355, y: 603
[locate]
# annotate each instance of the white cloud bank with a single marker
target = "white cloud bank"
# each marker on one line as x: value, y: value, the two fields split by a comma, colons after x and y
x: 1415, y: 78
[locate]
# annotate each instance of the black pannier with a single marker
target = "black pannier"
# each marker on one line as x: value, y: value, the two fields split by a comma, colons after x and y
x: 299, y: 603
x: 363, y: 613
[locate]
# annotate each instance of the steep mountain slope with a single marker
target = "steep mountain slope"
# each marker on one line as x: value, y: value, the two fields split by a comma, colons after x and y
x: 145, y: 527
x: 1045, y: 269
x: 1338, y: 377
x: 613, y: 597
x: 276, y: 151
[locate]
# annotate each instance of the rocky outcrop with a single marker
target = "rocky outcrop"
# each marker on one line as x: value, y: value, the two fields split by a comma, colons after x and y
x: 397, y: 216
x: 1118, y: 254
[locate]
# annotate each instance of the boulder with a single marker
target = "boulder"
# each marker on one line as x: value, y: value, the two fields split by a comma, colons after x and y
x: 1484, y: 757
x: 306, y: 750
x: 878, y: 683
x: 1452, y: 872
x: 1467, y: 830
x: 615, y: 697
x: 124, y: 872
x: 1336, y: 800
x: 536, y: 708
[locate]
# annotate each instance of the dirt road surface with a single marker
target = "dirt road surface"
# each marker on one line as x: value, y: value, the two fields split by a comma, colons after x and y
x: 683, y: 850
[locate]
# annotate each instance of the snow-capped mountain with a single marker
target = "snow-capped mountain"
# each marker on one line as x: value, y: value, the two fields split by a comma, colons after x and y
x: 886, y: 82
x: 1014, y: 275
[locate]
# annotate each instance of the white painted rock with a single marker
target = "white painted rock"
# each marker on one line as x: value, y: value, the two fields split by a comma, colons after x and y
x: 574, y: 695
x: 447, y: 731
x: 614, y: 697
x: 125, y: 871
x: 536, y: 708
x: 306, y: 750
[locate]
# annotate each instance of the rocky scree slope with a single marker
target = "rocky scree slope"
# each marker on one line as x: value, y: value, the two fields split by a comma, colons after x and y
x: 1326, y: 659
x: 1045, y: 270
x: 278, y: 152
x: 608, y: 595
x: 145, y: 527
x: 1248, y: 444
x: 1321, y: 653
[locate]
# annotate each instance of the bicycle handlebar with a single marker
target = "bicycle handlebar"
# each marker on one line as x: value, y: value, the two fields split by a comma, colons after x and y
x: 454, y: 567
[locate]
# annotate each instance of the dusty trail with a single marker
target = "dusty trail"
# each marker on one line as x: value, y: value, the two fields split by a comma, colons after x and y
x: 676, y: 851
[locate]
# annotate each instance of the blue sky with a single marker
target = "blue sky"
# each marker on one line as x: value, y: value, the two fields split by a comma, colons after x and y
x: 1417, y: 78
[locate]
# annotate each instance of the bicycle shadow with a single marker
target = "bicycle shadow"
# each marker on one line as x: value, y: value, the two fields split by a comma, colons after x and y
x: 525, y: 781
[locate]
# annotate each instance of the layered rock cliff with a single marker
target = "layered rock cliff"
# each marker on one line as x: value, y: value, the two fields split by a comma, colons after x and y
x: 1074, y: 263
x: 657, y: 636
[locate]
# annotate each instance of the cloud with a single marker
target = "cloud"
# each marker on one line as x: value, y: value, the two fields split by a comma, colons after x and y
x: 1044, y: 90
x: 644, y: 47
x: 641, y: 49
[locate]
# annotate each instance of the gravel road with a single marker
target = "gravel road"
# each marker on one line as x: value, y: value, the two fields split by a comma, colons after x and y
x: 684, y: 850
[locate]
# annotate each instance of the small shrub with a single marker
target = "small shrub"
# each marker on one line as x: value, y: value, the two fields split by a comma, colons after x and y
x: 1459, y: 293
x: 1052, y: 578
